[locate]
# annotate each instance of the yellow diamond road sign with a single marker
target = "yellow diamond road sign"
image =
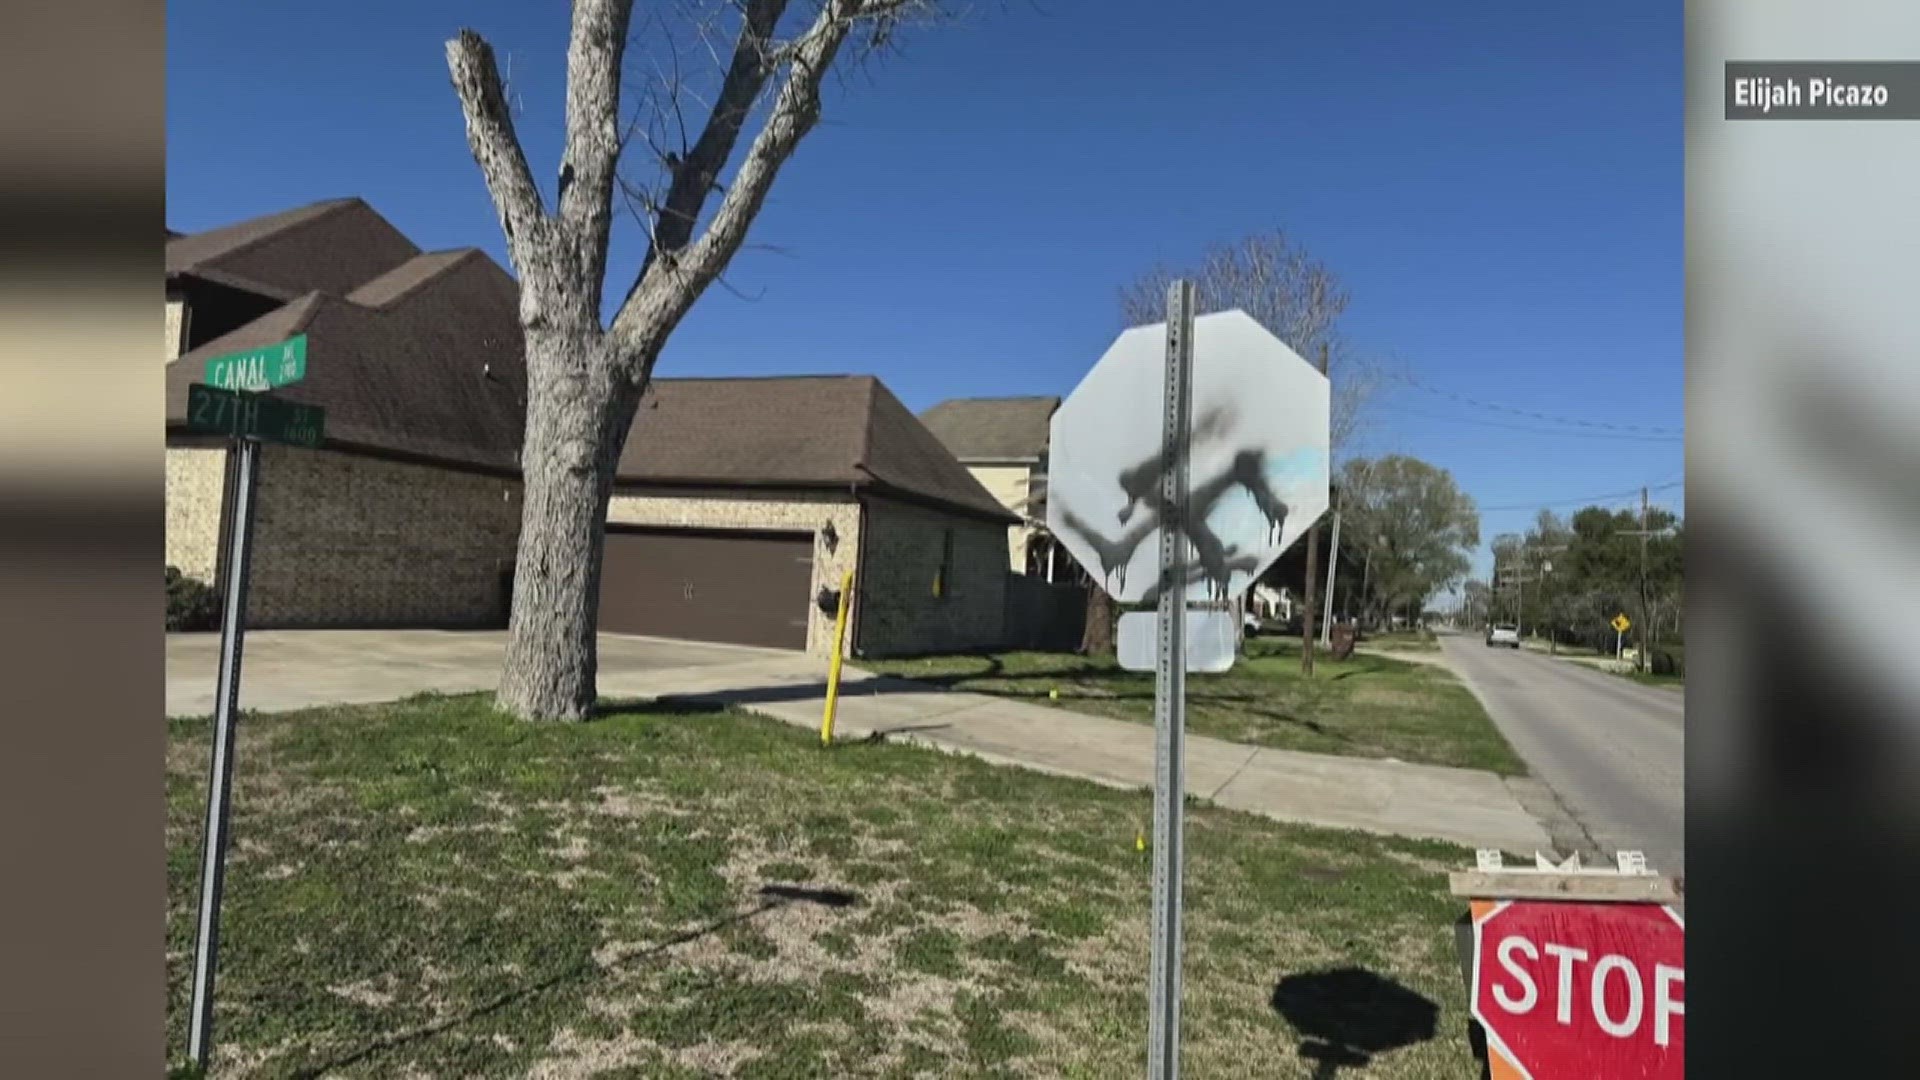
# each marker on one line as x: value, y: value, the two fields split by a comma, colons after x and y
x: 1621, y: 622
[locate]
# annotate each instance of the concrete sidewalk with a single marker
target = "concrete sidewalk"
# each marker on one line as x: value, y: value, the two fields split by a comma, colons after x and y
x: 300, y: 669
x: 1464, y: 806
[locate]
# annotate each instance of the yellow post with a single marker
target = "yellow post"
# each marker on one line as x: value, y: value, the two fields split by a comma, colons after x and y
x: 833, y: 669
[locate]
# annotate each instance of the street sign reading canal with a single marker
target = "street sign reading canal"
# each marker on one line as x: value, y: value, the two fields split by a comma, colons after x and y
x: 280, y: 364
x: 224, y: 412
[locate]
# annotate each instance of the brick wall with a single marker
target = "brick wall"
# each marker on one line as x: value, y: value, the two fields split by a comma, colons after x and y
x: 899, y: 614
x: 347, y: 540
x: 176, y: 325
x: 773, y: 511
x: 196, y: 476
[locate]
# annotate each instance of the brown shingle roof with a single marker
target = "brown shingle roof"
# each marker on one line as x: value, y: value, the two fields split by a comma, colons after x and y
x: 828, y: 431
x: 436, y: 372
x: 409, y: 275
x: 993, y: 429
x: 333, y: 247
x: 422, y: 354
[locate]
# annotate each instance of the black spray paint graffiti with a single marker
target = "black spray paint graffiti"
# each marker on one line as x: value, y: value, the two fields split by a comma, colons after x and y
x: 1146, y: 507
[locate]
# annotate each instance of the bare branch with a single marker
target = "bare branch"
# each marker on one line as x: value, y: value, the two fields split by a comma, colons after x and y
x: 496, y: 149
x: 1286, y: 290
x: 648, y: 210
x: 730, y: 287
x: 593, y: 135
x: 668, y: 284
x: 697, y: 173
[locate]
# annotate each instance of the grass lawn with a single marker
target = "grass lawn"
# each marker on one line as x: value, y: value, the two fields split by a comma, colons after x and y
x: 429, y: 889
x: 1582, y: 652
x: 1565, y: 648
x: 1366, y: 706
x: 1403, y: 641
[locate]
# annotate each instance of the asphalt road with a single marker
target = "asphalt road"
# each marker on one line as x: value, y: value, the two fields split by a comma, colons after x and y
x: 1610, y: 748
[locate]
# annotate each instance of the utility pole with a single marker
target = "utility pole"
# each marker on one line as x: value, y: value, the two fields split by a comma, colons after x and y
x: 1333, y: 564
x: 1313, y: 574
x: 1640, y: 655
x: 1643, y: 532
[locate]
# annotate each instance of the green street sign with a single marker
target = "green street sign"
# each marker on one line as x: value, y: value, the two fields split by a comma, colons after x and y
x: 279, y: 364
x: 216, y: 411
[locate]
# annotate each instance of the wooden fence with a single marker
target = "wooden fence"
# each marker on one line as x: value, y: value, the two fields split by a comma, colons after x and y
x: 1044, y: 616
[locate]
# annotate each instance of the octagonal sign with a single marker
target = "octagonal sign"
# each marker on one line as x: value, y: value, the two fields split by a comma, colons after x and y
x: 1258, y: 465
x: 1580, y: 991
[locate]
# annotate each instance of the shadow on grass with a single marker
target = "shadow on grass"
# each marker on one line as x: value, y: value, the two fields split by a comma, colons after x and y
x: 1347, y: 1015
x: 772, y: 897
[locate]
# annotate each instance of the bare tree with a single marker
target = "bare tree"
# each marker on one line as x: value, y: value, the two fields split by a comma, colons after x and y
x: 1285, y: 289
x: 585, y: 377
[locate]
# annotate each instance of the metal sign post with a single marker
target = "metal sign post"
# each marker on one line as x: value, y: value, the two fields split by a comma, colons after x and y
x: 1184, y: 527
x: 1170, y: 693
x: 220, y: 776
x: 231, y: 406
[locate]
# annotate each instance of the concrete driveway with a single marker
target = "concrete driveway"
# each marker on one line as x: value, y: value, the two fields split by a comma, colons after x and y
x: 292, y: 669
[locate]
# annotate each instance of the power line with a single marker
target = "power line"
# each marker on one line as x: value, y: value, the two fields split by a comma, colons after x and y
x: 1556, y: 433
x: 1587, y: 501
x: 1644, y: 429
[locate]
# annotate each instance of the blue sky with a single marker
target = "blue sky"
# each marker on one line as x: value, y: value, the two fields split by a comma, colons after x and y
x: 1498, y: 184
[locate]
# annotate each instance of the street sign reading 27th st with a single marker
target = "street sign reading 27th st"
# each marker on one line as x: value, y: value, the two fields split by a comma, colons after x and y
x: 280, y: 364
x: 224, y: 412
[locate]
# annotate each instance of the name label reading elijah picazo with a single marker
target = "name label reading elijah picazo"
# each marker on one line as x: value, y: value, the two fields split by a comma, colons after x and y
x: 1822, y: 91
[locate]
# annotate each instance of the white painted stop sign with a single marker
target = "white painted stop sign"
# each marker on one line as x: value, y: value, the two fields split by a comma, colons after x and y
x: 1258, y: 458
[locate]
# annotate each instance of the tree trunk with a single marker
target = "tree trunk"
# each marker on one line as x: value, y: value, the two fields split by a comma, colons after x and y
x: 1097, y: 638
x: 577, y: 423
x: 1307, y: 598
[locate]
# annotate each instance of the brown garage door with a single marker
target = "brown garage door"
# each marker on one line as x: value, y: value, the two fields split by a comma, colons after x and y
x: 745, y: 588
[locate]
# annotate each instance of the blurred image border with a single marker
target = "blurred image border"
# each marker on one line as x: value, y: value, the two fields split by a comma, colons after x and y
x: 1803, y: 800
x: 82, y: 214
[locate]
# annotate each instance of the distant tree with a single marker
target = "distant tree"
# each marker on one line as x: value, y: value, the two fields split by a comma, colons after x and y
x: 1283, y: 288
x: 1422, y: 526
x: 1596, y: 575
x: 1509, y: 562
x: 1476, y: 600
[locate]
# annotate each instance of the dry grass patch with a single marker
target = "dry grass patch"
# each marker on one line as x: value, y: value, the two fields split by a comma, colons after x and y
x: 680, y: 895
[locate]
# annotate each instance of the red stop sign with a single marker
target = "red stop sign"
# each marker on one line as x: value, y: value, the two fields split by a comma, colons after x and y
x: 1570, y: 991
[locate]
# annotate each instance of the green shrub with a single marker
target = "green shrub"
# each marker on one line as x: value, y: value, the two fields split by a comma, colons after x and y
x: 1667, y: 660
x: 191, y: 604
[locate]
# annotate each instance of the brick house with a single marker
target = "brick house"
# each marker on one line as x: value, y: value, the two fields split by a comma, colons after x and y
x: 1003, y: 443
x: 738, y: 504
x: 409, y: 515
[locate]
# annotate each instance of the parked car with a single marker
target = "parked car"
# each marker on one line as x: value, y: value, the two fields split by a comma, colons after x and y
x: 1503, y: 635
